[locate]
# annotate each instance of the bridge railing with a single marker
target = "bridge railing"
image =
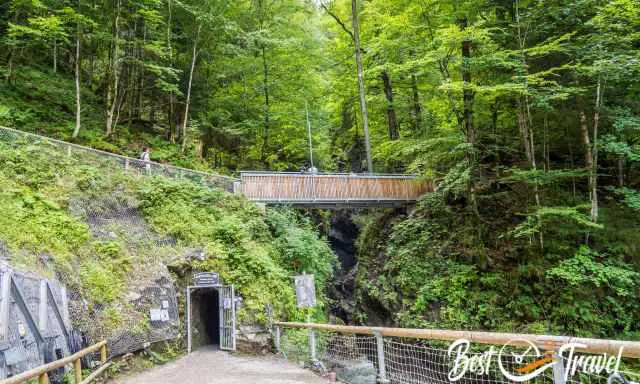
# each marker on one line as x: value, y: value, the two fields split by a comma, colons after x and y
x: 305, y: 187
x: 359, y: 355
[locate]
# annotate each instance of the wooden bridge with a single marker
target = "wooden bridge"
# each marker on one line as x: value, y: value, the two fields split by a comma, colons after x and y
x: 331, y: 190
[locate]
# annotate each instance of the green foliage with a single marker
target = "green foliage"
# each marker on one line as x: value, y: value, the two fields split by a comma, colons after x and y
x: 495, y: 102
x: 434, y: 268
x: 104, y: 283
x: 630, y: 197
x: 545, y: 217
x: 257, y: 252
x: 584, y: 269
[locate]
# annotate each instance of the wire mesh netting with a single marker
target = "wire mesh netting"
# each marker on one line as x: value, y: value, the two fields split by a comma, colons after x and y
x: 354, y: 359
x: 146, y: 307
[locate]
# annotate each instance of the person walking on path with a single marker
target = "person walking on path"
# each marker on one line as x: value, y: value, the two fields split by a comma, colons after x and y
x: 146, y: 157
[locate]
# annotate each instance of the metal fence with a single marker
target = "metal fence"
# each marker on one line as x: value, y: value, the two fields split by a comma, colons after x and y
x: 305, y: 188
x: 367, y: 355
x: 107, y: 159
x: 34, y: 321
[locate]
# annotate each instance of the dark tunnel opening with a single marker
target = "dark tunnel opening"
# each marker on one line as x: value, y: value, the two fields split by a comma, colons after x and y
x: 206, y: 317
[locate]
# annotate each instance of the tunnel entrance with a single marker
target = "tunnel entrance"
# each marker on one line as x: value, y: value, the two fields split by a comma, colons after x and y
x: 211, y: 316
x: 205, y: 317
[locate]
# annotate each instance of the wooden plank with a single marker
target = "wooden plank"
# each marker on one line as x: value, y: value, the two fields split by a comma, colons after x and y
x: 96, y: 373
x: 545, y: 342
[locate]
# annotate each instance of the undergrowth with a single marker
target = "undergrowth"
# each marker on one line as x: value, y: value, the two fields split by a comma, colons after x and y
x: 48, y: 200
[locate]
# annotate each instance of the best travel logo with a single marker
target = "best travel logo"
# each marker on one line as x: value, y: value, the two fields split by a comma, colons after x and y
x: 528, y: 364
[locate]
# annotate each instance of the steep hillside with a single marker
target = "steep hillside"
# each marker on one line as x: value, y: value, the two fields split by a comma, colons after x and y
x: 443, y: 265
x: 42, y: 102
x: 105, y: 232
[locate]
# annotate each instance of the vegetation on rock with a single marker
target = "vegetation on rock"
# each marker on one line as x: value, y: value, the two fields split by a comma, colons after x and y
x: 50, y: 202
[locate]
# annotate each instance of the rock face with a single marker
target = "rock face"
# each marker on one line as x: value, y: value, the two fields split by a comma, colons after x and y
x: 347, y: 298
x: 253, y: 339
x: 342, y: 235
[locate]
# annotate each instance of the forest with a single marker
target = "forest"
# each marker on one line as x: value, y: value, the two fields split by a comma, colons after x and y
x: 525, y: 113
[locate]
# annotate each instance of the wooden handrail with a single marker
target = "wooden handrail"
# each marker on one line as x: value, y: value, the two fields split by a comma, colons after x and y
x: 545, y: 342
x: 75, y: 359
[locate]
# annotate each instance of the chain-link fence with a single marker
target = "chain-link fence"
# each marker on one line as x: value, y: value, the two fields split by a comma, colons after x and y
x: 371, y: 359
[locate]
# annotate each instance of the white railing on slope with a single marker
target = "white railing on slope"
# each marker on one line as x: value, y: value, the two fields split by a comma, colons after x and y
x: 211, y: 179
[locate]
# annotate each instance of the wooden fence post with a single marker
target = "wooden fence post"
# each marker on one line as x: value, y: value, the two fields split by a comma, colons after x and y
x: 43, y: 379
x: 103, y: 354
x: 77, y: 370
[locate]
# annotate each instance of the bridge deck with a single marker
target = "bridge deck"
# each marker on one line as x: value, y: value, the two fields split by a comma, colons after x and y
x: 331, y: 189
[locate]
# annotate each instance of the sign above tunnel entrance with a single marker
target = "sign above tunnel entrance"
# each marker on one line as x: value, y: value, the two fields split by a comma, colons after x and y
x: 206, y: 279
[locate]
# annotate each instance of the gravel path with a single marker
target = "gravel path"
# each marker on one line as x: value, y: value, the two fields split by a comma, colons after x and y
x: 207, y: 366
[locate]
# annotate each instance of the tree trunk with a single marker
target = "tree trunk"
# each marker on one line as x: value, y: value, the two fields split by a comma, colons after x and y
x: 55, y: 56
x: 586, y: 142
x: 571, y: 162
x: 9, y: 66
x: 265, y: 85
x: 76, y: 131
x: 621, y: 171
x: 468, y: 97
x: 361, y: 88
x: 588, y: 157
x: 417, y: 109
x: 171, y: 112
x: 594, y: 170
x: 112, y: 92
x: 194, y: 55
x: 391, y: 113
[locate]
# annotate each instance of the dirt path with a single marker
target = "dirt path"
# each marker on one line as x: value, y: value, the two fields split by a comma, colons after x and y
x: 207, y: 366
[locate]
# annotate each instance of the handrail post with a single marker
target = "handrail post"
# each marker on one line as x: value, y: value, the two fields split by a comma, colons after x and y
x: 558, y: 369
x: 312, y: 344
x: 382, y: 369
x: 103, y: 354
x: 77, y: 370
x: 277, y: 338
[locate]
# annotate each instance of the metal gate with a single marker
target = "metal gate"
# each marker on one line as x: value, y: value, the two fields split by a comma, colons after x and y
x: 226, y: 312
x: 226, y: 305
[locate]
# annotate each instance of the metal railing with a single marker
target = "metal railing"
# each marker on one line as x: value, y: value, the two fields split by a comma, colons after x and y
x: 75, y: 360
x: 345, y: 188
x: 128, y: 163
x: 359, y: 355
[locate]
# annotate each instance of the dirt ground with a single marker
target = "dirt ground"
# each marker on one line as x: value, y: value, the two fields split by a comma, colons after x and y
x: 208, y: 366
